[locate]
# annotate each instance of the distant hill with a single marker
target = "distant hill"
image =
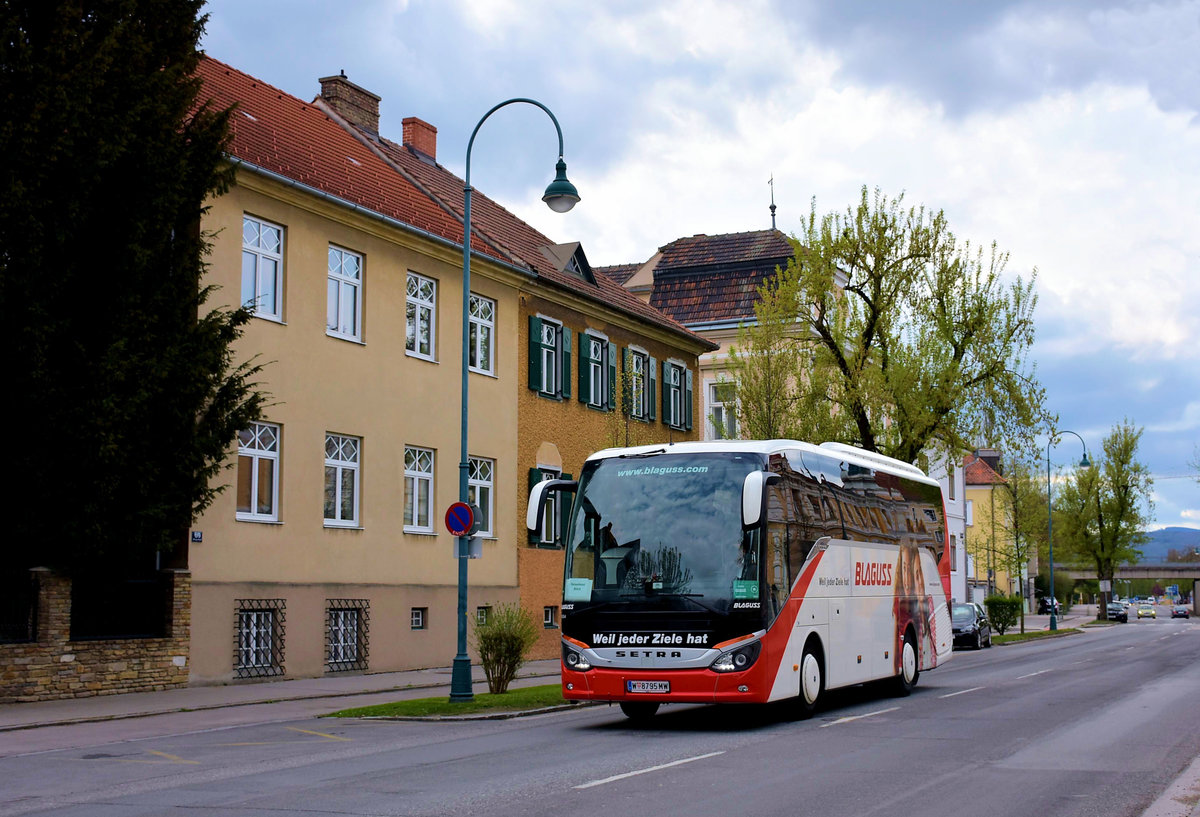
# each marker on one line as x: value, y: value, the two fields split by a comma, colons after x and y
x: 1167, y: 539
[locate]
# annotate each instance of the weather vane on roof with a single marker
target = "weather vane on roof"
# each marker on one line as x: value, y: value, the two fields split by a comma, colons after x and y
x: 771, y: 181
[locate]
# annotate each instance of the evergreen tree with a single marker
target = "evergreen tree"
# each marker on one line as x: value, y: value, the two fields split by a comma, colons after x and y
x: 124, y: 390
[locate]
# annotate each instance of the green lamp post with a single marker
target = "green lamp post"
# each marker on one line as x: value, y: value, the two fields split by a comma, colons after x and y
x: 560, y: 197
x: 1050, y: 519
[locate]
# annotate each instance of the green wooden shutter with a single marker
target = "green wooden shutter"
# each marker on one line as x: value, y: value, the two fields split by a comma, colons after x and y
x: 564, y: 514
x: 564, y: 382
x: 652, y: 390
x: 666, y: 394
x: 687, y: 399
x: 535, y: 353
x: 585, y: 371
x: 535, y: 476
x: 612, y: 377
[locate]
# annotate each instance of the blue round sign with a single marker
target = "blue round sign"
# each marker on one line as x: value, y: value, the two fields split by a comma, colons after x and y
x: 460, y: 519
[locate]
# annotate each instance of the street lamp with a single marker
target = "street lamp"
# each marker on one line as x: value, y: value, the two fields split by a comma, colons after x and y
x: 1083, y: 463
x: 560, y: 197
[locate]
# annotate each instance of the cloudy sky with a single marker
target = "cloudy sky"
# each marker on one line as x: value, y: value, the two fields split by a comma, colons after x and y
x: 1068, y: 132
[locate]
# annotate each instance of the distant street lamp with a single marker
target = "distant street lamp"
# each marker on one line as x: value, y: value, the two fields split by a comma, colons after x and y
x: 1083, y: 463
x: 560, y: 197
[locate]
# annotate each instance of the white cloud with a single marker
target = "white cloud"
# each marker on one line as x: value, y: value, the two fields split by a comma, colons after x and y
x: 1189, y: 420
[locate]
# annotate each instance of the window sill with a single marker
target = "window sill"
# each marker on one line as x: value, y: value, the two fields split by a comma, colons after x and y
x: 258, y: 521
x: 269, y: 319
x: 347, y: 338
x: 336, y: 526
x: 492, y: 375
x: 549, y: 626
x: 415, y: 356
x: 558, y: 398
x: 420, y: 532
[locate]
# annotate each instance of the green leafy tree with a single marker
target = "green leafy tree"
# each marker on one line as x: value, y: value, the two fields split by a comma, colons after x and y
x: 1003, y: 611
x: 1101, y: 512
x: 123, y: 388
x: 912, y: 340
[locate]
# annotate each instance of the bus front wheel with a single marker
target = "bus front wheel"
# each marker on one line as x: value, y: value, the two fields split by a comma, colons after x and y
x: 639, y: 710
x: 812, y: 684
x: 906, y: 679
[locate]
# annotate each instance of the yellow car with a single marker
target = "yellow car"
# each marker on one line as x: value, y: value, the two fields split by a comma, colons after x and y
x: 1146, y: 611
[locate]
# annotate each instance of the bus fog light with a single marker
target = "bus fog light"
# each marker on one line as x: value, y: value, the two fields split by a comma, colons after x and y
x: 743, y: 688
x: 570, y: 687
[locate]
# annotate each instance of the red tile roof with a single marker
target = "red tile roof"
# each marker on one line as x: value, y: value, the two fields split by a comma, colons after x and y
x: 708, y: 279
x: 618, y: 272
x: 979, y: 472
x: 301, y: 141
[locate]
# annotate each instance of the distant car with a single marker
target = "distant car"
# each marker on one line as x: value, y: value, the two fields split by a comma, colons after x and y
x: 971, y: 626
x: 1044, y: 606
x: 1146, y: 611
x: 1179, y: 611
x: 1117, y: 612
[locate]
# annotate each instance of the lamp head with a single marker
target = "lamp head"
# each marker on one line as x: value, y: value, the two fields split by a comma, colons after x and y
x: 1085, y: 463
x: 561, y: 195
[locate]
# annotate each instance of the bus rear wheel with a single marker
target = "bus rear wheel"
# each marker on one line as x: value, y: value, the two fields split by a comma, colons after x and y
x: 906, y: 679
x: 639, y: 710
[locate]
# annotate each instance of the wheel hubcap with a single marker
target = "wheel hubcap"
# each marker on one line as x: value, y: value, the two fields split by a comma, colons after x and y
x: 910, y: 662
x: 811, y: 680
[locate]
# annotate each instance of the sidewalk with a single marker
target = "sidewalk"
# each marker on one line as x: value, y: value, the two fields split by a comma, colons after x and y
x: 409, y: 684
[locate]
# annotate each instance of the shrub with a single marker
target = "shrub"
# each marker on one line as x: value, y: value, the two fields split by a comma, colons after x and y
x: 503, y: 640
x: 1003, y: 611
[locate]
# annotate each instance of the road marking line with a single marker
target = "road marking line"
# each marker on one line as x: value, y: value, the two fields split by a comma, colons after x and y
x: 167, y: 759
x: 614, y: 778
x: 1030, y: 675
x: 961, y: 692
x: 318, y: 734
x: 858, y: 717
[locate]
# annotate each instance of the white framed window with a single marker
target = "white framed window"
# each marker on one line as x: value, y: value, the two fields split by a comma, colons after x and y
x: 343, y: 312
x: 596, y: 370
x: 262, y: 267
x: 258, y: 473
x: 421, y: 316
x: 677, y: 395
x: 482, y: 613
x: 548, y: 530
x: 479, y: 491
x: 549, y: 358
x: 419, y: 618
x: 969, y: 512
x: 639, y: 384
x: 481, y: 354
x: 342, y: 454
x: 418, y: 489
x: 259, y: 638
x: 346, y: 629
x: 722, y: 411
x: 549, y: 617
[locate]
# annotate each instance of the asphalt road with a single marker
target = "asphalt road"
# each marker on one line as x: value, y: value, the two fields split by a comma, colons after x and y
x: 1094, y: 724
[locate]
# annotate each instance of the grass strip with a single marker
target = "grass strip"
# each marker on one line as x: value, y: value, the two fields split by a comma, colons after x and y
x: 1030, y: 635
x: 535, y: 697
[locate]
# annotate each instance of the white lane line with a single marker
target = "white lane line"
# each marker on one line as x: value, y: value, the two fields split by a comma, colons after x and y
x: 647, y: 771
x: 961, y: 692
x: 1030, y: 675
x: 858, y: 717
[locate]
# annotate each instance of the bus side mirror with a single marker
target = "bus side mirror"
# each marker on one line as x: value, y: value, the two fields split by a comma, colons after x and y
x: 537, y: 498
x: 754, y: 496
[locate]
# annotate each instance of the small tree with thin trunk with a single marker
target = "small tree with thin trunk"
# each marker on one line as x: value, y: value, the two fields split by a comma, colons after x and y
x: 503, y: 639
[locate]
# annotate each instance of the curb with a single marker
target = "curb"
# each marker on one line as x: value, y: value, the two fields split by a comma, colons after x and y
x: 1056, y: 634
x: 229, y: 705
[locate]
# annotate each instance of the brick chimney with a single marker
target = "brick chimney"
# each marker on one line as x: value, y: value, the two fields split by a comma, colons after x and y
x: 420, y: 136
x: 357, y: 105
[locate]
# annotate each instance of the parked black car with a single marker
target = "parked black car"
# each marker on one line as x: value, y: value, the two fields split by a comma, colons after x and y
x: 1117, y: 612
x: 971, y: 626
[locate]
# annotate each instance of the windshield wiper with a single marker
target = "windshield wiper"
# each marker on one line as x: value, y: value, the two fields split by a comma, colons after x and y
x: 643, y: 454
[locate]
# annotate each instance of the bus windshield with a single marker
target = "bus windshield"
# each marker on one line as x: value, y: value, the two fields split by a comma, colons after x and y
x: 663, y: 525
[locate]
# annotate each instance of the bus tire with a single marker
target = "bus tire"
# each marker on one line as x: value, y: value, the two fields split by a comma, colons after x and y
x: 639, y: 711
x: 812, y: 683
x: 910, y: 669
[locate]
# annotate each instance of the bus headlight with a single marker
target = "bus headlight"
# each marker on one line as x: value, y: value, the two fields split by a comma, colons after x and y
x: 737, y: 660
x: 574, y: 660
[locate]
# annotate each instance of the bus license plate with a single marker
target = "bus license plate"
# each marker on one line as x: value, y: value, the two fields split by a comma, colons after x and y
x: 647, y: 686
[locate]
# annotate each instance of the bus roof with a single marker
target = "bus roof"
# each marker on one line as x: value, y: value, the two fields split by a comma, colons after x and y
x: 846, y: 453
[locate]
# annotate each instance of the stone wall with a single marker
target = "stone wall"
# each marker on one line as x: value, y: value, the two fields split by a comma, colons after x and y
x: 54, y: 666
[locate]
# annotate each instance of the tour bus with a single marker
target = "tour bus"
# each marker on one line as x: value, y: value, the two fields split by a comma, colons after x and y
x: 748, y: 571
